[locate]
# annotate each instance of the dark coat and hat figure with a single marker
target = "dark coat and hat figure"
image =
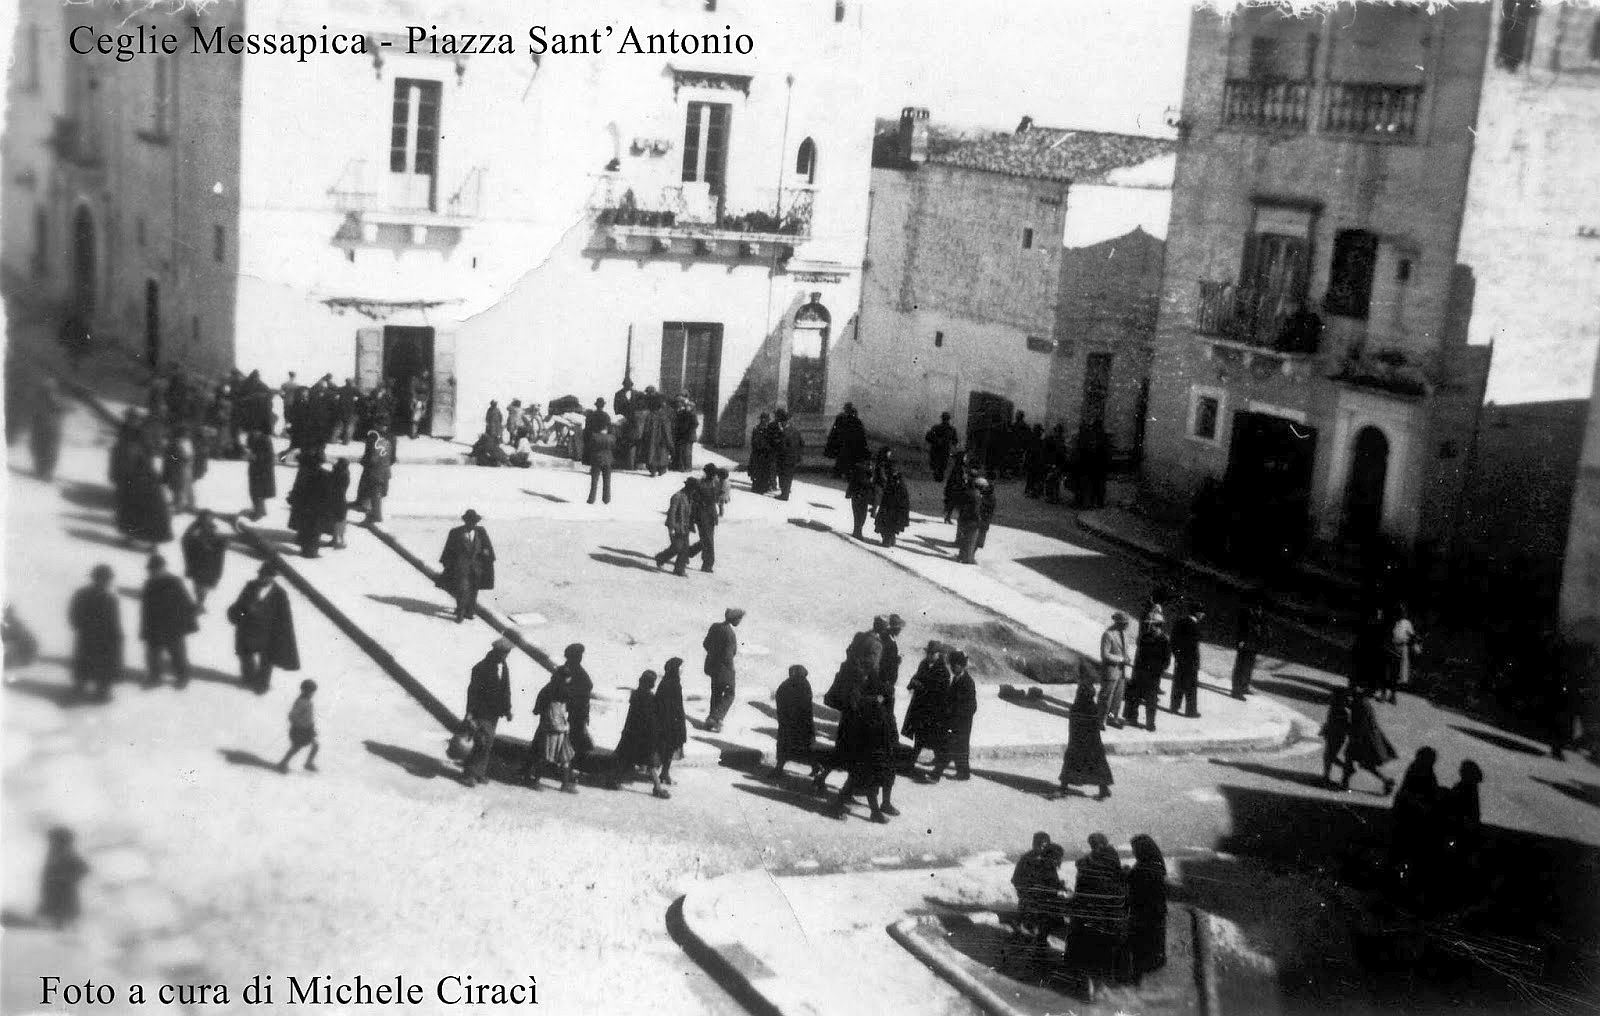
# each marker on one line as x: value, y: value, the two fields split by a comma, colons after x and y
x: 1099, y: 925
x: 639, y: 745
x: 167, y: 617
x: 1084, y: 762
x: 264, y: 635
x: 261, y: 473
x: 721, y: 645
x: 488, y: 702
x: 894, y: 507
x: 1147, y: 909
x: 96, y: 619
x: 308, y: 500
x: 961, y: 706
x: 205, y: 549
x: 847, y: 441
x: 925, y: 721
x: 797, y: 728
x: 1367, y: 747
x: 672, y: 726
x: 552, y: 743
x: 142, y: 512
x: 468, y: 564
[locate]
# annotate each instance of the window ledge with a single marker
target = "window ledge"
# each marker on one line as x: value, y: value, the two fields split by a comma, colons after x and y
x: 154, y: 137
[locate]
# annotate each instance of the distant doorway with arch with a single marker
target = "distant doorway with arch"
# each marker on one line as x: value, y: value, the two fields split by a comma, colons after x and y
x: 808, y: 357
x: 1363, y: 492
x: 85, y: 263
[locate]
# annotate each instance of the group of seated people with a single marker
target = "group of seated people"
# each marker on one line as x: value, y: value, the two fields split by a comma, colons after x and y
x: 1113, y: 919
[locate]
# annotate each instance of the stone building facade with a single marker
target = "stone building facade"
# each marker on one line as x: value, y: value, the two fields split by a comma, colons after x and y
x: 514, y: 225
x: 1313, y: 382
x: 1008, y: 273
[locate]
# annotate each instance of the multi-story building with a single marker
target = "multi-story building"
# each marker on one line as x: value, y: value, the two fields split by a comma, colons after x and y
x: 1010, y: 272
x: 516, y: 224
x: 1314, y: 374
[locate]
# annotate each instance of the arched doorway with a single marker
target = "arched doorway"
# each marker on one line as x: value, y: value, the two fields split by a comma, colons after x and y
x: 152, y: 323
x: 85, y: 263
x: 808, y: 358
x: 1363, y: 492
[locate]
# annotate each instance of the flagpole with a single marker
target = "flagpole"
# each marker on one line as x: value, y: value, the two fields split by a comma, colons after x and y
x: 627, y: 365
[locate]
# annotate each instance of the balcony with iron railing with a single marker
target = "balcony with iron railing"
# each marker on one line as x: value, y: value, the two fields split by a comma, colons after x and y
x: 1249, y: 324
x: 404, y: 211
x: 691, y: 216
x: 1365, y: 110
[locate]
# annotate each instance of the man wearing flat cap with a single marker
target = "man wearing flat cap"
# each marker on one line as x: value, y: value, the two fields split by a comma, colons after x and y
x: 682, y: 513
x: 468, y: 561
x: 721, y: 645
x: 488, y: 702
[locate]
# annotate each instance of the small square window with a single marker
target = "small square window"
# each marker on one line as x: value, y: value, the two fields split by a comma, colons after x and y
x: 1449, y: 449
x: 1402, y: 272
x: 1205, y: 417
x: 938, y: 339
x: 1027, y: 238
x: 219, y: 243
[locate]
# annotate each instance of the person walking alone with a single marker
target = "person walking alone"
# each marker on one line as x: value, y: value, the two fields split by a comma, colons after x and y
x: 96, y: 619
x: 721, y: 645
x: 1084, y: 762
x: 682, y: 513
x: 1251, y: 636
x: 468, y: 561
x: 1113, y: 670
x: 602, y: 451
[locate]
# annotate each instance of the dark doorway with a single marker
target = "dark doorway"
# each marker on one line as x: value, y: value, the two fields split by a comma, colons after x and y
x: 989, y: 419
x: 808, y: 358
x: 408, y: 357
x: 1268, y: 488
x: 84, y: 263
x: 1096, y: 388
x: 1363, y: 493
x: 691, y: 364
x: 152, y: 322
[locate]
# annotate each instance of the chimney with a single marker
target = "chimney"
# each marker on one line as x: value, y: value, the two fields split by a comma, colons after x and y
x: 1022, y: 128
x: 913, y: 146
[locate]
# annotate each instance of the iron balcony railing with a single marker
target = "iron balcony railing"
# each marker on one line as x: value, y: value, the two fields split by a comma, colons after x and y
x: 356, y: 191
x: 691, y: 208
x: 1360, y: 107
x: 1252, y: 317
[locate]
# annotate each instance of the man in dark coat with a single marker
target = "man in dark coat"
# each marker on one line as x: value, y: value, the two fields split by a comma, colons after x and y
x: 1252, y: 633
x: 594, y: 421
x: 685, y: 426
x: 1186, y: 659
x: 308, y: 501
x: 96, y: 620
x: 672, y: 727
x: 862, y: 493
x: 894, y: 506
x: 347, y: 400
x: 488, y: 702
x: 166, y: 619
x: 847, y: 441
x: 204, y: 551
x: 789, y: 448
x: 925, y: 715
x: 625, y: 401
x: 883, y: 685
x: 44, y: 436
x: 468, y: 561
x: 494, y: 423
x: 638, y: 745
x: 866, y: 748
x: 602, y: 448
x: 1099, y: 909
x: 656, y: 444
x: 969, y: 521
x: 961, y: 706
x: 264, y: 635
x: 1151, y: 655
x: 705, y: 519
x: 797, y: 728
x: 261, y: 472
x: 721, y: 645
x: 377, y: 465
x: 941, y: 440
x: 682, y: 514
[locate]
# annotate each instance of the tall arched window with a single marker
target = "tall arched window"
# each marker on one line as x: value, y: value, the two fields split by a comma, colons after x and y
x: 805, y: 163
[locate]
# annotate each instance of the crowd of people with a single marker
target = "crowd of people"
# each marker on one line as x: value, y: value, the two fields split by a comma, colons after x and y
x: 1113, y: 920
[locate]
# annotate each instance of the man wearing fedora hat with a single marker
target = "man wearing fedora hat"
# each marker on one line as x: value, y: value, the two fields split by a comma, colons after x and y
x: 166, y: 619
x: 1114, y: 662
x: 468, y: 561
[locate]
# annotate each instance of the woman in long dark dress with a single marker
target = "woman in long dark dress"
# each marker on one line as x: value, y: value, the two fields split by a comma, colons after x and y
x: 868, y: 754
x: 672, y: 728
x: 797, y: 728
x: 1099, y: 915
x: 261, y: 472
x: 894, y: 506
x: 925, y: 720
x: 204, y: 551
x: 1147, y: 909
x: 639, y: 745
x: 1367, y: 747
x: 1084, y: 762
x: 336, y: 502
x: 306, y: 500
x: 147, y: 518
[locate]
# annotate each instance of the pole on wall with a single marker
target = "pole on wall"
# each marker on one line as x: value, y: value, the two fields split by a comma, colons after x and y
x: 627, y: 363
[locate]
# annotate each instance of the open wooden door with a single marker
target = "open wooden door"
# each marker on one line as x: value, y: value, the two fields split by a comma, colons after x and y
x: 444, y: 384
x: 369, y: 358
